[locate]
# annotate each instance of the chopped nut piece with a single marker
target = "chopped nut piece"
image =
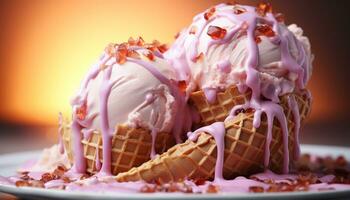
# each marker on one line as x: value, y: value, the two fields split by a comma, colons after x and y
x: 216, y: 33
x: 209, y: 14
x: 131, y: 41
x: 81, y: 112
x: 256, y: 189
x: 22, y: 183
x: 150, y: 56
x: 163, y: 48
x: 147, y: 189
x: 239, y: 10
x: 140, y: 41
x: 200, y: 57
x: 182, y: 86
x: 263, y: 8
x: 212, y: 189
x: 266, y: 30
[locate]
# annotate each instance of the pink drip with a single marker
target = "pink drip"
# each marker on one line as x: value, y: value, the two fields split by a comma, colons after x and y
x: 78, y: 149
x: 154, y: 133
x: 107, y: 132
x: 217, y: 130
x: 224, y: 66
x: 97, y: 159
x: 210, y: 94
x: 296, y: 115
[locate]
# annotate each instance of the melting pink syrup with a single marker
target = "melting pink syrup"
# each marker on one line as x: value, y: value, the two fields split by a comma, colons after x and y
x: 247, y: 21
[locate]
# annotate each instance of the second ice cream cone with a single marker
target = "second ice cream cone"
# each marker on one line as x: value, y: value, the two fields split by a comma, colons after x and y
x: 243, y: 154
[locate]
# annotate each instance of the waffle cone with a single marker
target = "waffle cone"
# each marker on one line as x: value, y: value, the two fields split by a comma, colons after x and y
x: 130, y: 147
x: 243, y: 154
x: 218, y: 111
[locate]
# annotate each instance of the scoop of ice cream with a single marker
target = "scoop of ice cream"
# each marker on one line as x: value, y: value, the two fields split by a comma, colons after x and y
x: 132, y: 85
x: 214, y: 51
x: 137, y: 97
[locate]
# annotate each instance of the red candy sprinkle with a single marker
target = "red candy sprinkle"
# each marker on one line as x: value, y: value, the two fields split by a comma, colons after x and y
x: 163, y: 48
x: 263, y: 8
x: 177, y: 35
x: 216, y: 33
x: 81, y: 112
x: 199, y: 57
x: 131, y: 41
x: 140, y: 41
x: 22, y: 183
x: 133, y: 54
x: 256, y: 189
x: 239, y: 10
x: 212, y: 189
x: 266, y: 30
x: 147, y: 189
x: 182, y: 86
x: 209, y: 14
x: 150, y: 56
x: 193, y: 30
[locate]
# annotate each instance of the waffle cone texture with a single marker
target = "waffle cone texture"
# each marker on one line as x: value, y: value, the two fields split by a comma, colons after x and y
x: 130, y: 147
x: 244, y: 145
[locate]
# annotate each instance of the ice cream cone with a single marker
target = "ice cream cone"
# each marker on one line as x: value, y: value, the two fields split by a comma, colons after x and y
x: 218, y: 111
x: 243, y: 154
x: 130, y: 147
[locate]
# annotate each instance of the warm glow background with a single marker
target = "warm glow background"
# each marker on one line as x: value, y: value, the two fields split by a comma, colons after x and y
x: 46, y: 47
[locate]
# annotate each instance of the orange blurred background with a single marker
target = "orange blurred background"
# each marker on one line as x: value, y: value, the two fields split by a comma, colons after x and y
x: 47, y: 46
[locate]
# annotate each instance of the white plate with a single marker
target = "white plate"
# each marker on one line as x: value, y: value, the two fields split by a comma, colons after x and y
x: 10, y: 162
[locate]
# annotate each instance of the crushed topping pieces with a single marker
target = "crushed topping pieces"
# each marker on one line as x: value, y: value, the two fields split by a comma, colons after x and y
x: 266, y: 30
x: 148, y: 189
x: 256, y: 189
x: 200, y: 181
x: 124, y: 50
x: 131, y: 41
x: 22, y: 184
x: 150, y: 56
x: 177, y: 35
x: 209, y: 14
x: 239, y: 10
x: 216, y: 33
x: 133, y: 54
x: 182, y: 86
x: 193, y: 30
x: 280, y: 17
x: 200, y: 57
x: 257, y: 39
x: 110, y: 49
x: 212, y: 189
x: 263, y: 8
x: 46, y: 177
x: 163, y: 48
x: 81, y: 112
x: 140, y: 42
